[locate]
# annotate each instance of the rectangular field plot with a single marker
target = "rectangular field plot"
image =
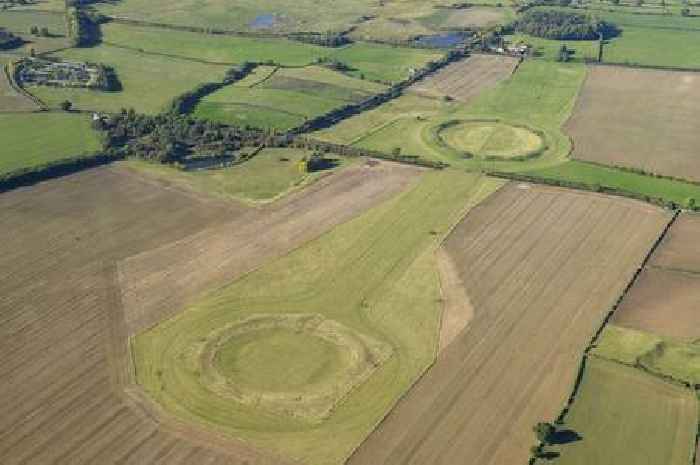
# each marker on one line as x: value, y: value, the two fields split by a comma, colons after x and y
x: 625, y: 416
x: 664, y: 300
x: 614, y: 125
x: 26, y: 138
x: 12, y: 100
x: 282, y: 98
x: 541, y: 268
x: 466, y: 79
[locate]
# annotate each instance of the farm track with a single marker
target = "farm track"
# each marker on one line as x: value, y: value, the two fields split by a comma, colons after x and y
x: 466, y: 79
x: 542, y: 268
x: 64, y: 360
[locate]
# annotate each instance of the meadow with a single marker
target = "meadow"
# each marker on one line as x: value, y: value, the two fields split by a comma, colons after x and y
x: 21, y: 21
x: 26, y: 138
x: 284, y: 98
x: 282, y: 15
x: 374, y: 61
x: 375, y: 276
x: 268, y: 176
x: 149, y: 82
x: 624, y: 416
x: 540, y: 95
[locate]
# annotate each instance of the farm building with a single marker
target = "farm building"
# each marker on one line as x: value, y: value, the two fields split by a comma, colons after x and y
x: 59, y: 74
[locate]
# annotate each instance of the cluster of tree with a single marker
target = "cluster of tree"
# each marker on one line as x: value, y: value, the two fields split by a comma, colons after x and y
x: 186, y: 102
x: 171, y: 138
x: 107, y: 79
x: 335, y: 65
x: 83, y: 26
x: 39, y: 31
x: 327, y: 39
x: 9, y: 40
x: 562, y: 25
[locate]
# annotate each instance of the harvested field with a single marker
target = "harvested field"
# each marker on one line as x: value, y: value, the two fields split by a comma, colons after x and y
x: 157, y: 283
x: 467, y: 78
x: 625, y: 416
x: 657, y: 133
x: 663, y: 302
x: 369, y: 288
x: 64, y: 345
x: 542, y: 267
x: 680, y: 249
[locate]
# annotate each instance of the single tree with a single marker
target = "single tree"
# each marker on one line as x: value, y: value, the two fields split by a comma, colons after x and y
x: 34, y: 30
x: 44, y: 32
x: 66, y: 105
x: 544, y: 432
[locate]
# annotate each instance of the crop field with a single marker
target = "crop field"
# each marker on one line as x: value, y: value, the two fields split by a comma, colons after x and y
x: 664, y: 299
x: 656, y: 133
x: 270, y: 175
x: 285, y: 97
x: 541, y: 268
x: 374, y: 61
x: 25, y: 138
x: 539, y: 96
x: 64, y: 357
x: 371, y: 281
x: 466, y: 79
x: 149, y: 82
x: 625, y: 416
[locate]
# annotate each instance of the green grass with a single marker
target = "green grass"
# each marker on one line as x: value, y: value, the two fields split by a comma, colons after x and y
x: 665, y: 356
x: 277, y: 360
x: 263, y: 178
x: 149, y: 82
x: 284, y: 98
x: 590, y: 174
x: 549, y: 49
x: 652, y: 39
x: 540, y: 95
x: 375, y: 62
x: 21, y: 21
x: 625, y: 416
x: 30, y: 140
x: 300, y: 15
x: 375, y: 274
x: 655, y: 47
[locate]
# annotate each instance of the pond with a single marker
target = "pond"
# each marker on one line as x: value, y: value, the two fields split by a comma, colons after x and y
x: 265, y: 21
x: 446, y: 40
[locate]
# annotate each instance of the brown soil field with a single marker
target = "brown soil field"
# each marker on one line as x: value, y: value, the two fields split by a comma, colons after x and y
x: 542, y: 268
x: 639, y: 118
x: 64, y: 361
x: 457, y: 309
x: 680, y: 249
x: 160, y: 281
x: 467, y: 78
x: 664, y: 300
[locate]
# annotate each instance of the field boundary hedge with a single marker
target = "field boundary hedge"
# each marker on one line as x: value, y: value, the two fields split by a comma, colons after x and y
x: 55, y: 169
x: 600, y: 188
x: 337, y: 115
x: 561, y: 418
x: 641, y: 66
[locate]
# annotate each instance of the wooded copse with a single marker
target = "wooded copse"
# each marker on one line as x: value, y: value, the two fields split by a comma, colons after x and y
x: 562, y: 25
x: 83, y: 26
x: 9, y: 40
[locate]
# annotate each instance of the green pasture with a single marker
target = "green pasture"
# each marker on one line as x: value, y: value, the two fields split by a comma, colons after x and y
x: 541, y: 95
x: 34, y: 139
x: 592, y: 175
x: 375, y: 275
x: 549, y: 49
x: 661, y: 355
x: 266, y: 177
x: 300, y: 15
x: 655, y: 47
x: 284, y: 98
x: 149, y: 82
x: 21, y: 21
x: 625, y: 416
x: 373, y: 61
